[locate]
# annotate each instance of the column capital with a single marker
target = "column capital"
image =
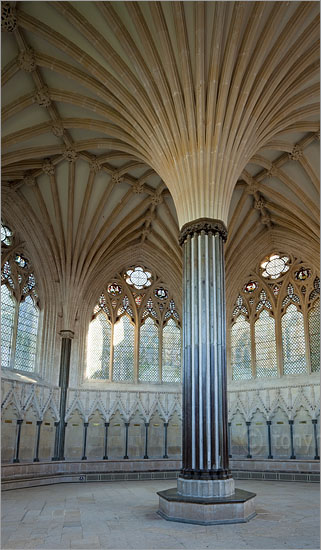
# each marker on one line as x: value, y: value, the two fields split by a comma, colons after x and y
x: 67, y: 334
x: 208, y: 225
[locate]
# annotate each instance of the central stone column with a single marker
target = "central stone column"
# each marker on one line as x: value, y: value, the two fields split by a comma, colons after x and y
x: 205, y: 471
x: 205, y: 491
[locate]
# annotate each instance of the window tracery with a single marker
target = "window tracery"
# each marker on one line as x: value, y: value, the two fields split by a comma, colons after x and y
x: 19, y: 306
x: 273, y: 292
x: 137, y: 310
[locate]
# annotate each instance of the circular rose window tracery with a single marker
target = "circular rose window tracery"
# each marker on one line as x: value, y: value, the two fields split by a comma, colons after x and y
x: 138, y: 277
x: 275, y: 266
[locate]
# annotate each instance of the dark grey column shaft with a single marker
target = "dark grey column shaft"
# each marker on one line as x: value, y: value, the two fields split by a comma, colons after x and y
x: 63, y: 383
x: 86, y: 424
x: 105, y: 457
x: 268, y: 423
x: 229, y: 440
x: 146, y: 439
x: 316, y: 456
x: 126, y: 439
x: 248, y: 424
x: 16, y: 458
x: 165, y: 455
x: 291, y: 422
x: 205, y: 439
x: 36, y: 459
x: 56, y: 441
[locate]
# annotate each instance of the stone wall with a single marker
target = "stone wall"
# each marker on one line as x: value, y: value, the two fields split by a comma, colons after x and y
x: 157, y: 411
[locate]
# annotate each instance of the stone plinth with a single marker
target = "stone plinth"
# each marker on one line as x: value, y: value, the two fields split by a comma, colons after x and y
x: 205, y: 488
x: 237, y: 508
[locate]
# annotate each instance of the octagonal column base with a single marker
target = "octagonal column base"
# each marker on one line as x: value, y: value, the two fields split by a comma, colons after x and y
x: 237, y: 508
x: 205, y: 488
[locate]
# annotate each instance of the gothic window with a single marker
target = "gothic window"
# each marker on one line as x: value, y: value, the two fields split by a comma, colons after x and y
x: 241, y: 349
x: 148, y: 352
x: 135, y: 332
x: 293, y: 341
x: 98, y: 347
x: 314, y: 336
x: 19, y: 311
x: 285, y: 288
x: 7, y: 324
x: 124, y: 332
x: 265, y: 346
x: 27, y: 329
x: 171, y: 353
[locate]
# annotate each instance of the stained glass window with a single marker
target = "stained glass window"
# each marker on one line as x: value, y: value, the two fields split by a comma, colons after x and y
x: 6, y: 235
x: 26, y: 335
x: 138, y: 277
x: 314, y: 336
x: 123, y: 367
x: 241, y: 349
x: 265, y: 346
x: 98, y: 348
x: 148, y: 352
x: 7, y: 323
x: 171, y: 354
x: 274, y: 266
x: 293, y: 341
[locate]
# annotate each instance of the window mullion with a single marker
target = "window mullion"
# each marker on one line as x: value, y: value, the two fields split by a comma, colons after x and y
x: 307, y: 341
x: 253, y: 347
x: 160, y: 352
x: 279, y: 344
x: 14, y: 335
x: 111, y: 358
x: 136, y: 351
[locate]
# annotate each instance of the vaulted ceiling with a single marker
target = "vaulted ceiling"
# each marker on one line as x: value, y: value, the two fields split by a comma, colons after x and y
x: 123, y: 120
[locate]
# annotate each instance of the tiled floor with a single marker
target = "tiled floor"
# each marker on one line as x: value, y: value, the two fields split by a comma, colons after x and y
x: 122, y: 515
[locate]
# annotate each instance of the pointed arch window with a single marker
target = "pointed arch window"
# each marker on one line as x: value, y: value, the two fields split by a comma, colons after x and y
x: 265, y: 346
x: 293, y: 341
x: 123, y: 344
x: 98, y: 347
x: 314, y: 336
x: 19, y: 315
x: 241, y: 349
x: 148, y: 352
x: 171, y: 352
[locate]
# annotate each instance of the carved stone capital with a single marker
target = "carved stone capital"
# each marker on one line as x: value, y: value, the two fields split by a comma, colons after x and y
x: 27, y: 61
x: 138, y: 188
x: 70, y: 155
x: 42, y: 97
x: 296, y: 153
x: 116, y: 178
x: 95, y: 166
x: 208, y: 225
x: 67, y: 334
x: 47, y: 167
x: 29, y: 180
x: 57, y: 129
x: 8, y: 17
x: 156, y: 199
x: 259, y: 203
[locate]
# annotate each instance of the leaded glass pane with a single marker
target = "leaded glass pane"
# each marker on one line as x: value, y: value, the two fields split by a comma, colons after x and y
x: 7, y: 320
x: 98, y: 350
x: 293, y: 342
x: 26, y: 335
x: 171, y: 354
x: 265, y: 346
x: 314, y: 336
x: 241, y: 349
x: 123, y: 368
x: 148, y: 352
